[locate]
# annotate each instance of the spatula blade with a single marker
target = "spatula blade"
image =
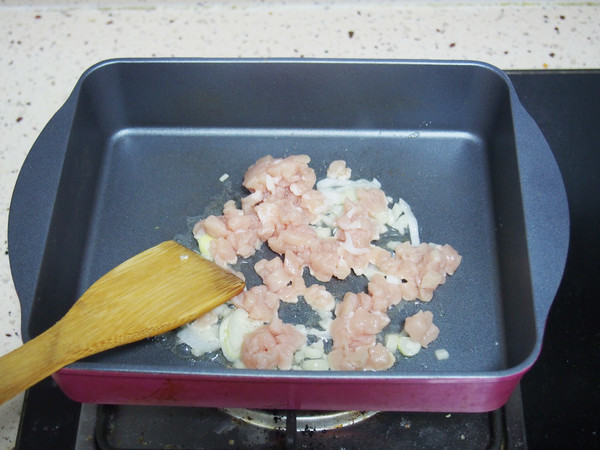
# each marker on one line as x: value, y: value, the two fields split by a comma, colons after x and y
x: 153, y: 292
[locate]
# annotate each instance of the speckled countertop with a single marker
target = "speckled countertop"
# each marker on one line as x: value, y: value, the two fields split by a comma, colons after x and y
x: 45, y: 46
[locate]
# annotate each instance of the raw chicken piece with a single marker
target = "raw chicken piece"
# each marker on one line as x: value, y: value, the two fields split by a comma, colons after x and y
x: 319, y: 298
x: 283, y: 278
x: 297, y: 239
x: 223, y: 252
x: 380, y: 358
x: 243, y: 230
x: 348, y: 359
x: 421, y: 268
x: 452, y: 258
x: 215, y: 226
x: 354, y: 332
x: 366, y: 322
x: 325, y: 260
x: 235, y: 233
x: 269, y: 174
x: 376, y: 357
x: 313, y: 202
x: 384, y: 293
x: 421, y: 329
x: 272, y: 346
x: 337, y: 169
x: 372, y: 200
x: 273, y: 274
x: 259, y: 303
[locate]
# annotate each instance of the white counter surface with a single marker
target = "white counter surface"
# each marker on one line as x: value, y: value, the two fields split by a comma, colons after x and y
x: 46, y: 45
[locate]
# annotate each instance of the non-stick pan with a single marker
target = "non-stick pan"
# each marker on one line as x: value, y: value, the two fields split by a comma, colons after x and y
x: 136, y: 155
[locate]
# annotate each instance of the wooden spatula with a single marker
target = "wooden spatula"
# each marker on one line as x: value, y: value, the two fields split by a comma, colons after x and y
x: 156, y: 291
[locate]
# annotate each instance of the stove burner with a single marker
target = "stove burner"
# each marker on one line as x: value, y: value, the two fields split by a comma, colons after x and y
x: 128, y: 427
x: 305, y: 420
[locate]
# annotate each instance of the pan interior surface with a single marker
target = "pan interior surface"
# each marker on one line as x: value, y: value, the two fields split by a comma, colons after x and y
x: 150, y: 142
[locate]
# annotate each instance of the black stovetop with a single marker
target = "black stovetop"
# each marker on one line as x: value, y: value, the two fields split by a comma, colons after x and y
x: 559, y: 399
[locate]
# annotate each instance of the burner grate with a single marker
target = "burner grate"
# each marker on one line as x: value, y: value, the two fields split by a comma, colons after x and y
x: 305, y: 420
x: 107, y: 427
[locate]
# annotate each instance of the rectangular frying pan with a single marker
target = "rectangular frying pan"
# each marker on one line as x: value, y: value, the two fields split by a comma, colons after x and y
x: 135, y: 155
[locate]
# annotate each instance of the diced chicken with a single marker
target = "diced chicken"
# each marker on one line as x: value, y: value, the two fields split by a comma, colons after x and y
x: 384, y: 293
x: 331, y: 231
x: 337, y: 169
x: 421, y: 329
x: 284, y: 279
x: 319, y: 298
x: 372, y: 200
x: 272, y: 346
x: 421, y: 268
x: 259, y: 303
x: 273, y: 274
x: 313, y: 202
x: 269, y: 174
x: 348, y: 359
x: 215, y: 227
x: 223, y: 252
x: 380, y: 358
x: 354, y: 332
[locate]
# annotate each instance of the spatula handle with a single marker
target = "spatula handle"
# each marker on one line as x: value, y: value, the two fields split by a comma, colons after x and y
x: 30, y: 363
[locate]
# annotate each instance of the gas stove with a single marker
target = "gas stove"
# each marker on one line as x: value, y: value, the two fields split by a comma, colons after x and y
x: 112, y: 427
x: 556, y: 405
x: 130, y: 427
